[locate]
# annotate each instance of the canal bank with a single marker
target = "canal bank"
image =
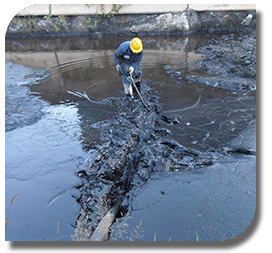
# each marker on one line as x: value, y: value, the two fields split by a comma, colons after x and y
x: 99, y: 20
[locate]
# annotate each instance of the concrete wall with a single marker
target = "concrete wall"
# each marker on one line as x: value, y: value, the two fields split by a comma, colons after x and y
x: 84, y: 9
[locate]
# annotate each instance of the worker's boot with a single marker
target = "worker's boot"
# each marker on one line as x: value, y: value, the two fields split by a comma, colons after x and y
x: 138, y: 85
x: 135, y: 93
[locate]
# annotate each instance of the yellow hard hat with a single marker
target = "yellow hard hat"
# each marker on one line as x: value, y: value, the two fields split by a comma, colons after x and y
x: 136, y: 45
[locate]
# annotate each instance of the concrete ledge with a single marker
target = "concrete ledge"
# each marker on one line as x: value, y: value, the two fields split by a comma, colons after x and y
x: 222, y: 7
x: 85, y: 9
x: 36, y: 9
x: 91, y: 9
x: 152, y: 8
x: 79, y: 9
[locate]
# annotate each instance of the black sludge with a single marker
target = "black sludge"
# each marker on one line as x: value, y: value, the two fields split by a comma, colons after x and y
x: 134, y: 147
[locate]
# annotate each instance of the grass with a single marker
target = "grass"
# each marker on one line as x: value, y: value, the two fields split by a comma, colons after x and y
x: 115, y: 9
x: 121, y: 230
x: 8, y: 221
x: 57, y: 228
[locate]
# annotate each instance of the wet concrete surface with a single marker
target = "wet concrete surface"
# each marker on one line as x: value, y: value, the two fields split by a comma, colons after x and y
x: 76, y: 139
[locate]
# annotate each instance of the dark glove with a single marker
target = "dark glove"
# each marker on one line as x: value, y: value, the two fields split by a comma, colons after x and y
x: 119, y: 70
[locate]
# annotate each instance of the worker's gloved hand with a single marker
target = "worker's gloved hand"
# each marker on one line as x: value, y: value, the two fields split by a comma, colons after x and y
x: 130, y: 71
x: 119, y: 70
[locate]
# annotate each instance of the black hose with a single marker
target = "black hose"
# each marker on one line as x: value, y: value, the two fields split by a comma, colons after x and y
x: 134, y: 85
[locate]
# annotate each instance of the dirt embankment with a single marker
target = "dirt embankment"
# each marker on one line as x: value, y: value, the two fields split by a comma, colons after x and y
x: 98, y: 25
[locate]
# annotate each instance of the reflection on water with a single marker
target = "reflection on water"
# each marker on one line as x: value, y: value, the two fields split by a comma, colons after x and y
x: 86, y: 64
x: 80, y: 90
x: 84, y: 70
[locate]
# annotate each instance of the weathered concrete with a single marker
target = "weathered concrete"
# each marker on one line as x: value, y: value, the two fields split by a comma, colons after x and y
x: 79, y: 9
x: 129, y: 19
x: 36, y: 9
x: 135, y: 24
x: 222, y: 7
x: 88, y: 9
x: 85, y: 9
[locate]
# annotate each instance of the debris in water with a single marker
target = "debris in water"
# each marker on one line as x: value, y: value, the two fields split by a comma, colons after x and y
x: 135, y: 147
x: 239, y: 150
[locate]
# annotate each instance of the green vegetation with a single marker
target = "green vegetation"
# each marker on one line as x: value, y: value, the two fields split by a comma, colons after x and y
x: 28, y: 21
x: 49, y: 16
x: 60, y: 24
x: 34, y: 24
x: 115, y: 9
x: 93, y: 22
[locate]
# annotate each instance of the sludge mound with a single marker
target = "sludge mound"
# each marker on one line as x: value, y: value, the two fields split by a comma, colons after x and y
x: 135, y: 146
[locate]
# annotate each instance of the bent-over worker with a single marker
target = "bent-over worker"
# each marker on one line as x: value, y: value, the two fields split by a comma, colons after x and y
x: 127, y: 59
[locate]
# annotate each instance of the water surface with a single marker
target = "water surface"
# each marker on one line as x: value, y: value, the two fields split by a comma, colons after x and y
x: 58, y: 89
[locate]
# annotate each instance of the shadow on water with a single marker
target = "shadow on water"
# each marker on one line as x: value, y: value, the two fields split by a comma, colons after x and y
x: 88, y: 128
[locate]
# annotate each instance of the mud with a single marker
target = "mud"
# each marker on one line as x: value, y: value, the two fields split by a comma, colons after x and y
x: 16, y: 93
x: 135, y: 147
x: 113, y: 150
x: 231, y: 64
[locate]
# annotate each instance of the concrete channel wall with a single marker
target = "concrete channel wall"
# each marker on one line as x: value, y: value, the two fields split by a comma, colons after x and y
x: 96, y: 20
x: 88, y: 9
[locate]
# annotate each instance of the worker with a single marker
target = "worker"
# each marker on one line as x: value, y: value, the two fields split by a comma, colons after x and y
x: 127, y: 60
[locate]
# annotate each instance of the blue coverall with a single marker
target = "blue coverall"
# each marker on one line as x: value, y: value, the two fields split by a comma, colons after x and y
x: 126, y: 58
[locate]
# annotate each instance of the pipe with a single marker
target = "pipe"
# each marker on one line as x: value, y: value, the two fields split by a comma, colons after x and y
x: 103, y: 228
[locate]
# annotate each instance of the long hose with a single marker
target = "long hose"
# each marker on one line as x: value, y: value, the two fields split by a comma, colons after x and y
x: 134, y: 85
